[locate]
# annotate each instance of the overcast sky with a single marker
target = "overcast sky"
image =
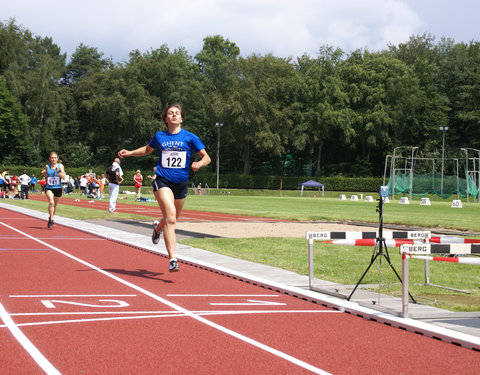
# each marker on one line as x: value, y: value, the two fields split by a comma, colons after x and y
x: 285, y: 28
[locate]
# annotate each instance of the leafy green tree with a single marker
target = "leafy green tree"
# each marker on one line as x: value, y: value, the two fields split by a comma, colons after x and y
x: 262, y: 109
x: 84, y: 60
x: 217, y: 62
x: 465, y: 116
x: 12, y: 44
x: 382, y: 92
x: 325, y: 114
x: 431, y: 102
x: 171, y: 77
x: 14, y: 129
x: 115, y: 112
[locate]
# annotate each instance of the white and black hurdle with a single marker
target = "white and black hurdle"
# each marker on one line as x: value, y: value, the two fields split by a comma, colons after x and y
x: 380, y: 240
x: 423, y: 251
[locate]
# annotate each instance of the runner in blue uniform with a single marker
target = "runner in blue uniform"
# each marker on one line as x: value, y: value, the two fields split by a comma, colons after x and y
x: 170, y: 186
x: 54, y: 173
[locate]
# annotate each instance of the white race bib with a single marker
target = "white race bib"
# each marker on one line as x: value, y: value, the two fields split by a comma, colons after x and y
x: 52, y: 181
x: 174, y: 159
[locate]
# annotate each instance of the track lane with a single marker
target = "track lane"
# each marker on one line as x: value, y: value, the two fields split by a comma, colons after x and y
x: 154, y: 211
x: 328, y: 340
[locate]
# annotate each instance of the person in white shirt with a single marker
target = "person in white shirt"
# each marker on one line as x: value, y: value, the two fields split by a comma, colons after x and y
x: 83, y: 185
x: 114, y: 182
x: 25, y: 184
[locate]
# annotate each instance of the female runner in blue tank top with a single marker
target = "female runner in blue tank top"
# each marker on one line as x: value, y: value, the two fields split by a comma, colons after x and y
x: 170, y: 185
x: 54, y: 173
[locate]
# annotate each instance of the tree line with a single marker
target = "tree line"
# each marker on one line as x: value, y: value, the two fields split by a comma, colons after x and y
x: 331, y: 114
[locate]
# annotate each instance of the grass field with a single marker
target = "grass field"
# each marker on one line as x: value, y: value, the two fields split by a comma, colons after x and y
x: 344, y: 264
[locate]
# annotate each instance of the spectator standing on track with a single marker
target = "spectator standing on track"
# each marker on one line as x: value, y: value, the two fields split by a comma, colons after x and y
x: 33, y: 182
x: 170, y: 186
x: 24, y: 184
x: 54, y: 173
x: 115, y: 178
x: 138, y: 179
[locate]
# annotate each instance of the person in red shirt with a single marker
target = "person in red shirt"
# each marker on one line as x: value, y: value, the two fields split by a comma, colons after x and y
x: 42, y: 184
x: 13, y: 182
x: 138, y: 179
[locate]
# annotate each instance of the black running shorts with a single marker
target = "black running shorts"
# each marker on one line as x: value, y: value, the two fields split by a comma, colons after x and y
x: 57, y: 192
x: 180, y: 189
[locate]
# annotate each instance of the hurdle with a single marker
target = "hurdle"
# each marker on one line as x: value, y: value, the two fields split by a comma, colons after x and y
x: 390, y: 238
x: 422, y: 251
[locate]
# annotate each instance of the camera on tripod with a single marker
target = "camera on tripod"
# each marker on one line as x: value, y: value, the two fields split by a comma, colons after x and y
x: 383, y: 191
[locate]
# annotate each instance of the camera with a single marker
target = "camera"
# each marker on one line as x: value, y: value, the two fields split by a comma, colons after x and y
x: 384, y: 191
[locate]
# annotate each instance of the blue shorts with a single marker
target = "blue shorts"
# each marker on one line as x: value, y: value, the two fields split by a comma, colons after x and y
x: 180, y: 189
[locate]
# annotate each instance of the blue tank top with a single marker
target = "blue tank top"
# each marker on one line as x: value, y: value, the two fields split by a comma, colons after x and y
x: 53, y: 179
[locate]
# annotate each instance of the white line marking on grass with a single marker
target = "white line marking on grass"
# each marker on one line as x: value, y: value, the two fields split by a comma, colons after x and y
x: 192, y: 315
x: 26, y: 343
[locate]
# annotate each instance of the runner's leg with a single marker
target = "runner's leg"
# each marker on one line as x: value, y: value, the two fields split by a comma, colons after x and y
x: 171, y: 209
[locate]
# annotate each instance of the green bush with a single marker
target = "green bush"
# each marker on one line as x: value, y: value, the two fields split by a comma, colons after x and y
x: 232, y: 181
x: 332, y: 183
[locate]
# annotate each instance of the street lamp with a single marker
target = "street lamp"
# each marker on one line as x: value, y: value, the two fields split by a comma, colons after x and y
x: 218, y: 125
x: 443, y: 129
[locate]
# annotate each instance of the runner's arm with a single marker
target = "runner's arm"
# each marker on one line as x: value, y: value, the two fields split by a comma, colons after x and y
x: 203, y: 162
x: 141, y: 151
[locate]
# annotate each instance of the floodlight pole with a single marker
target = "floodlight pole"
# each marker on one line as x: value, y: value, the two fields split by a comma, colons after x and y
x: 466, y: 171
x: 218, y: 125
x: 443, y: 129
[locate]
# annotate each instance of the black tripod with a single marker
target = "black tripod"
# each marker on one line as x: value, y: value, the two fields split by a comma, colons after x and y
x: 380, y: 249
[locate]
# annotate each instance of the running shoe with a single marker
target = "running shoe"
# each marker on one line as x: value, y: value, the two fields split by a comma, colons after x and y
x: 173, y: 267
x: 50, y: 223
x: 156, y: 233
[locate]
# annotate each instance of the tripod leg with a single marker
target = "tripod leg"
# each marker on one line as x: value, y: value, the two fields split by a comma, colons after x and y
x: 359, y: 281
x: 387, y: 257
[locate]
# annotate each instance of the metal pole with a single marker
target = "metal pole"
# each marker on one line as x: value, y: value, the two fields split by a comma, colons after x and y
x: 443, y: 129
x: 466, y: 171
x: 311, y: 275
x: 458, y: 186
x: 404, y: 286
x: 218, y: 125
x: 411, y: 171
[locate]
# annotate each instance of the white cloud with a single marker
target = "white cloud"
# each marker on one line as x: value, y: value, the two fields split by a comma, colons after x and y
x: 282, y: 27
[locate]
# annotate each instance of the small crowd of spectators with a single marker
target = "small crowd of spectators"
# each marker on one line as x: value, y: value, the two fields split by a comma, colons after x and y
x: 90, y: 185
x: 15, y: 187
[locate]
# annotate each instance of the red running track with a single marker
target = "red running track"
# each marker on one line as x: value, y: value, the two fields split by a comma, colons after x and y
x: 154, y: 211
x: 73, y: 303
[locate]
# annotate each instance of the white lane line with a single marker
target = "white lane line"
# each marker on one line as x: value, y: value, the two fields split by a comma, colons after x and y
x: 174, y: 306
x: 69, y: 295
x: 203, y: 312
x: 158, y: 314
x: 223, y: 295
x: 26, y: 343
